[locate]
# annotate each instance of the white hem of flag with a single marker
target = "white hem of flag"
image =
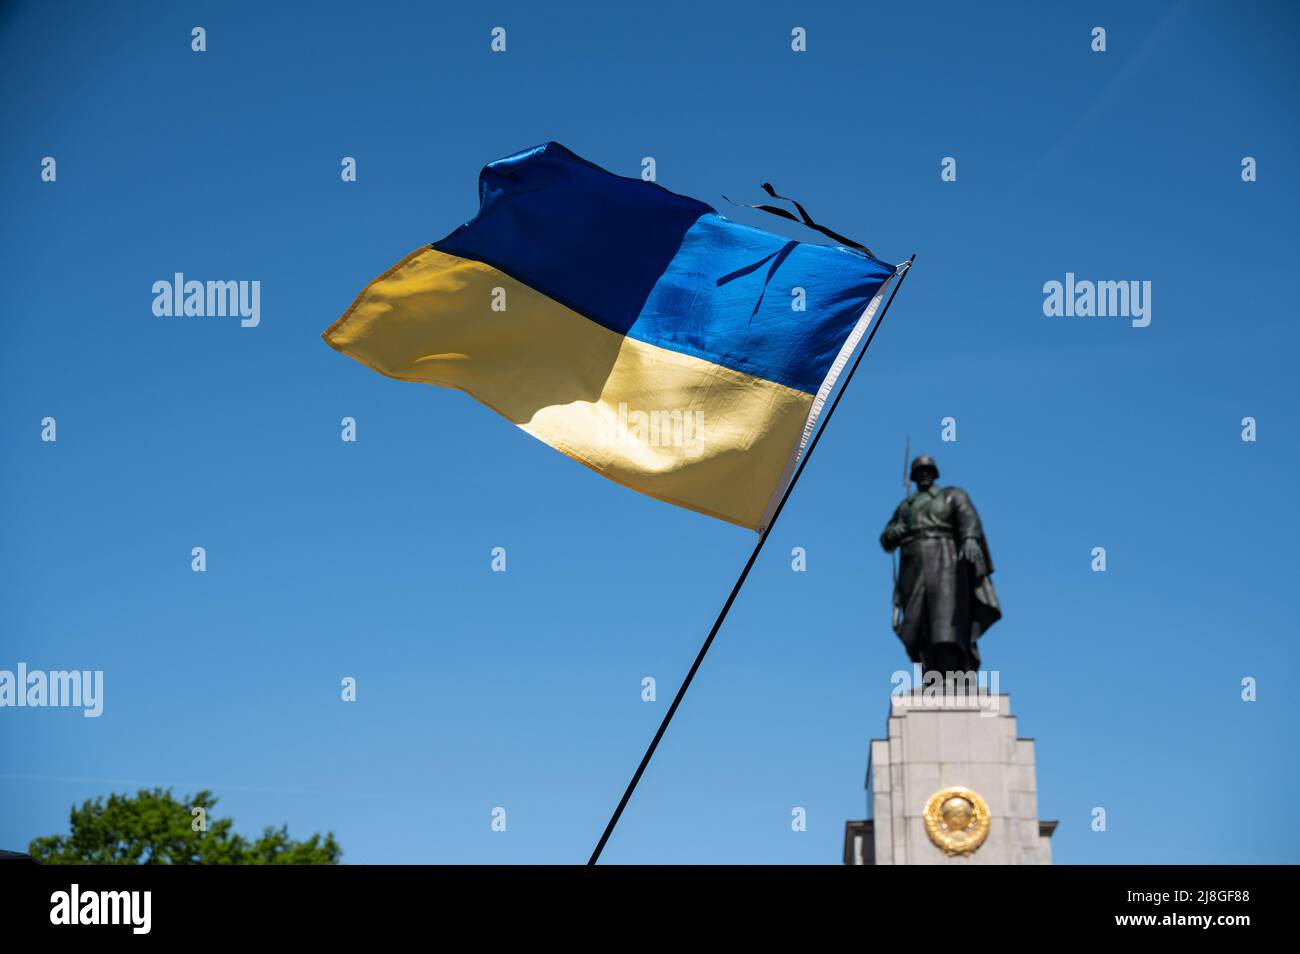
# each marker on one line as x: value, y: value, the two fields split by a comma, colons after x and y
x: 828, y: 385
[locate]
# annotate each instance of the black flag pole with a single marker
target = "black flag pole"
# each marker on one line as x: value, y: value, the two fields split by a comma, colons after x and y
x: 740, y: 581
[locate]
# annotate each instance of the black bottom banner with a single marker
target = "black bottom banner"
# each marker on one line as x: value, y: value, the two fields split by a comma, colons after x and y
x: 116, y: 904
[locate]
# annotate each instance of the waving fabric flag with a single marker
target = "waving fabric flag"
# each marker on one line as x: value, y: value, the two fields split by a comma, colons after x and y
x: 638, y: 331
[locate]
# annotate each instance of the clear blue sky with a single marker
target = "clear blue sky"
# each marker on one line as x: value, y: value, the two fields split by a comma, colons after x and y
x: 522, y: 689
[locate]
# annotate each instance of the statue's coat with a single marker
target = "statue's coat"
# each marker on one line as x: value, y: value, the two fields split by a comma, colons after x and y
x: 943, y: 601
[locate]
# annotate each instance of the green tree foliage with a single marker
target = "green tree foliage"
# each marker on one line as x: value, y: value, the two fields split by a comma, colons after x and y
x: 153, y: 828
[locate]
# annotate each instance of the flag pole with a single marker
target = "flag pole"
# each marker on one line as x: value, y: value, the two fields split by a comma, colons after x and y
x: 740, y: 581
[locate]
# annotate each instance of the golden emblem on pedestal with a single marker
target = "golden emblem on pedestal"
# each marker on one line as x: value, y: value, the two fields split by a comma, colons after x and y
x: 957, y: 820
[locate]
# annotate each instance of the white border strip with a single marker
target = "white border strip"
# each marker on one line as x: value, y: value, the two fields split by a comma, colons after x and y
x: 828, y: 385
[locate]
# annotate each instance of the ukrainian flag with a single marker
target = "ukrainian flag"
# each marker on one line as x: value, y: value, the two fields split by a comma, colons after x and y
x: 636, y: 330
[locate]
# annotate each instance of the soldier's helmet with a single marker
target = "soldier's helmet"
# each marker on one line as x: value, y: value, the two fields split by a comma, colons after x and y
x: 924, y: 462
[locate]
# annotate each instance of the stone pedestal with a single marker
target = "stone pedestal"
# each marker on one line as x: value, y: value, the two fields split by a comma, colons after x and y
x: 936, y: 743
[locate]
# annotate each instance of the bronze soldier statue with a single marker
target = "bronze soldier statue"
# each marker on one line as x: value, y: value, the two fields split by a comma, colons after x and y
x: 945, y: 587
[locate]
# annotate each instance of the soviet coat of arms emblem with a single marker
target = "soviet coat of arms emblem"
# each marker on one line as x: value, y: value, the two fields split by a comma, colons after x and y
x: 957, y: 820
